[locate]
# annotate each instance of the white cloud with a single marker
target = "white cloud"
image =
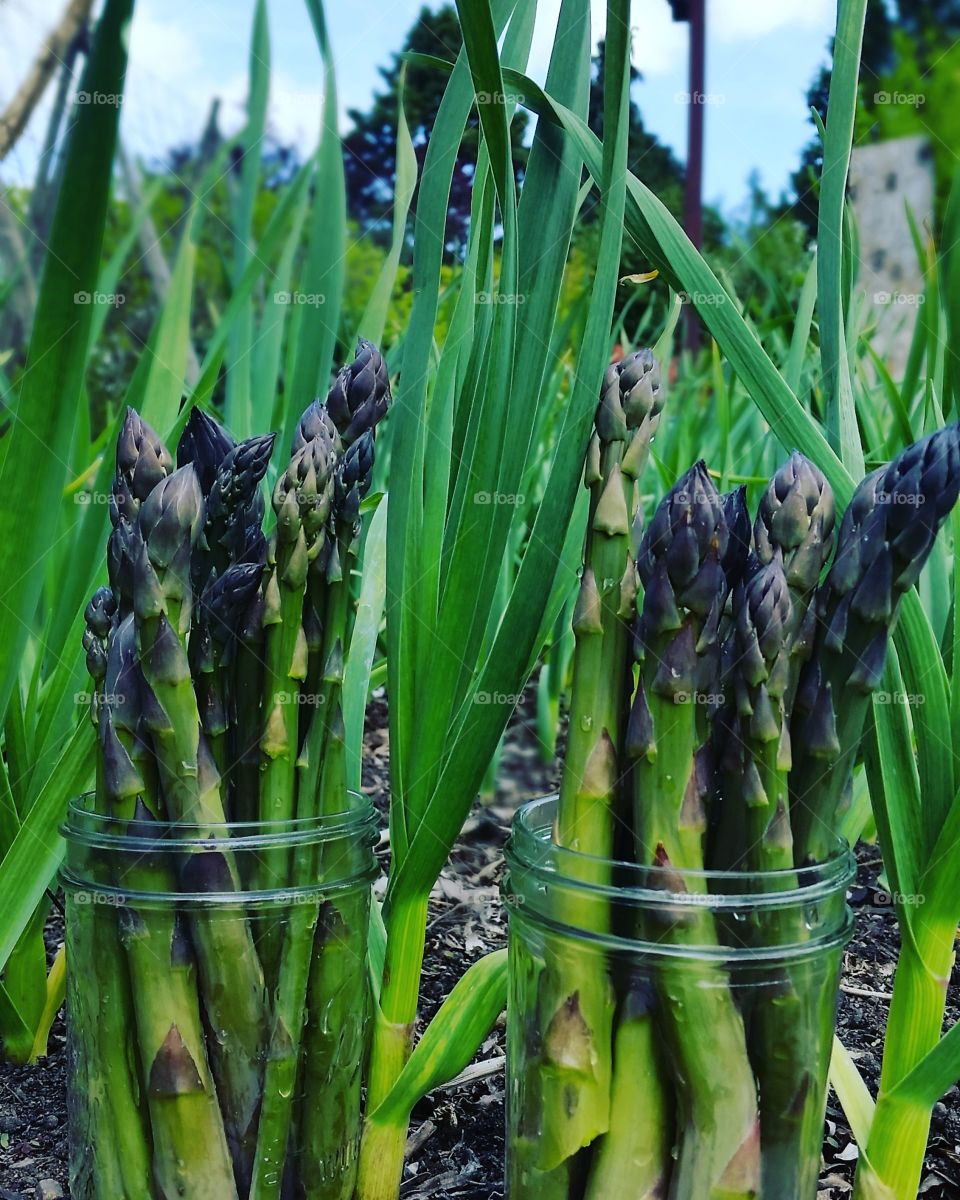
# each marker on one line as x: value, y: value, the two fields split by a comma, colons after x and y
x: 660, y: 43
x: 732, y: 20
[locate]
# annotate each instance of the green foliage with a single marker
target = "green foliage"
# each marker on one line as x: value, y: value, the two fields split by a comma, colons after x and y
x: 370, y: 145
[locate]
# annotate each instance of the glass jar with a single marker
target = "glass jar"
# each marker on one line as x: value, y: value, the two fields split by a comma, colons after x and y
x: 217, y: 1027
x: 669, y: 1032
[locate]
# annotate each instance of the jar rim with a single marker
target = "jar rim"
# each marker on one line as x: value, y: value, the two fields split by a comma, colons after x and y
x: 91, y: 837
x: 531, y: 846
x: 102, y: 831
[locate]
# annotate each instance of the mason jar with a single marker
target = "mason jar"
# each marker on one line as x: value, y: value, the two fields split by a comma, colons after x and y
x: 216, y: 1026
x: 669, y: 1032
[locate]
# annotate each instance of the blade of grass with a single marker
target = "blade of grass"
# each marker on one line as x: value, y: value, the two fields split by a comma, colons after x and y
x: 238, y: 401
x: 323, y: 271
x: 800, y: 341
x: 453, y: 1036
x: 34, y: 467
x: 31, y: 862
x: 375, y: 314
x: 55, y: 994
x: 16, y: 1039
x: 852, y: 1092
x: 363, y: 640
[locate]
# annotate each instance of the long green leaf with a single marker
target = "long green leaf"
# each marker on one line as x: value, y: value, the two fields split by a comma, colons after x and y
x: 895, y: 783
x: 31, y: 862
x: 854, y: 1096
x: 321, y: 281
x: 34, y: 466
x: 452, y: 1038
x: 478, y: 726
x: 838, y: 139
x: 374, y: 317
x: 935, y: 1074
x: 238, y: 402
x: 363, y: 640
x: 16, y: 1038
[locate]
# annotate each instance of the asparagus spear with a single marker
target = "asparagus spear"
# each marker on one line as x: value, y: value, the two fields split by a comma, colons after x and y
x: 337, y: 998
x: 213, y: 641
x: 142, y: 462
x: 188, y: 1142
x: 796, y: 517
x: 231, y: 976
x: 356, y: 403
x: 680, y: 564
x: 632, y: 1160
x: 360, y: 395
x: 575, y: 1071
x: 888, y: 530
x: 103, y: 1073
x: 204, y: 443
x: 247, y: 685
x: 302, y: 500
x: 792, y: 1016
x: 229, y: 475
x: 793, y: 1022
x: 334, y: 1043
x: 338, y: 1001
x: 726, y: 832
x: 792, y: 1019
x: 764, y: 615
x: 234, y: 505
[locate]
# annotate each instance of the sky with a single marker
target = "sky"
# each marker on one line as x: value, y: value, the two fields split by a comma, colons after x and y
x: 761, y: 57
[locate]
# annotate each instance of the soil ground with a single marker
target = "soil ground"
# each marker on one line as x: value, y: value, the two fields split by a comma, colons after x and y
x: 455, y: 1150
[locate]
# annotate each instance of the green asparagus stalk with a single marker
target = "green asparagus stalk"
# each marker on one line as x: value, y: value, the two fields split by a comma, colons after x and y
x: 190, y: 1154
x: 764, y: 614
x: 726, y: 830
x: 100, y: 1005
x: 335, y: 974
x: 888, y: 530
x: 632, y: 1159
x: 247, y: 687
x: 232, y: 980
x: 552, y: 682
x: 789, y: 1015
x: 213, y: 647
x: 680, y: 563
x: 791, y: 1020
x: 575, y: 1071
x: 301, y: 500
x: 337, y: 1000
x: 283, y: 1054
x: 334, y: 1040
x: 188, y: 1150
x: 142, y: 462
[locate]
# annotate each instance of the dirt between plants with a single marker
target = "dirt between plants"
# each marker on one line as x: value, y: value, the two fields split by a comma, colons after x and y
x: 455, y: 1148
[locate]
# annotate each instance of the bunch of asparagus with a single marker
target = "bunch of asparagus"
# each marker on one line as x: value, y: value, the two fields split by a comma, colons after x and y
x: 217, y: 658
x: 720, y: 689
